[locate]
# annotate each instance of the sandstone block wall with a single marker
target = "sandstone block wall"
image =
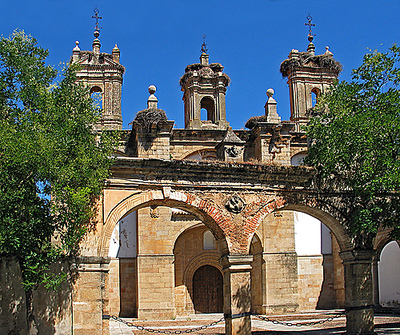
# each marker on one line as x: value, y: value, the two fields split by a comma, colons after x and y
x: 52, y: 309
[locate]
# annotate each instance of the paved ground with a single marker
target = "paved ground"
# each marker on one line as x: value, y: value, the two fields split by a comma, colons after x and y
x: 384, y: 324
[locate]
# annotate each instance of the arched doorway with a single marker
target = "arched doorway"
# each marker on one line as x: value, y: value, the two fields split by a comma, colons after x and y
x: 389, y: 275
x: 207, y: 290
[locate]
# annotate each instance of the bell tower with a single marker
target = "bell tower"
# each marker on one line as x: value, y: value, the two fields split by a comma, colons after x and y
x: 308, y: 75
x: 103, y: 74
x: 204, y: 87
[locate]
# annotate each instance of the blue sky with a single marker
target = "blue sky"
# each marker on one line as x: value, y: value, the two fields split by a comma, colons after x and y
x: 159, y: 38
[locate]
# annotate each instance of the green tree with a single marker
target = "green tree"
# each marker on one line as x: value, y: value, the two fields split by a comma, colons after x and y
x: 52, y: 163
x: 355, y: 145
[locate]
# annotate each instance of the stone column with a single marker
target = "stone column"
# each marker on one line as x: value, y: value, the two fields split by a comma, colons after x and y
x: 237, y: 294
x: 359, y: 291
x: 90, y: 299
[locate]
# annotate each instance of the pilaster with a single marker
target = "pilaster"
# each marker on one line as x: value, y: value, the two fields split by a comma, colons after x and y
x: 90, y: 299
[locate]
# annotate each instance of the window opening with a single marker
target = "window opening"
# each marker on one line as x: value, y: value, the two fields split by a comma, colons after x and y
x: 207, y: 104
x: 314, y: 96
x: 208, y: 241
x: 97, y: 96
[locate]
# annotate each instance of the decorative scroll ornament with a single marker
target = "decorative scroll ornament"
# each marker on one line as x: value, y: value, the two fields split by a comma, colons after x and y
x: 235, y: 204
x: 154, y: 213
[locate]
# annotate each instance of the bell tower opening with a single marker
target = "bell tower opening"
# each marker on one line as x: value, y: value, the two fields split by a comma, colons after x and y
x: 97, y: 96
x: 315, y: 92
x: 208, y: 109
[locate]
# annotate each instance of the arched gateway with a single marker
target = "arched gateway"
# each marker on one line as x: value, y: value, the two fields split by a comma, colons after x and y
x: 158, y: 207
x: 233, y: 210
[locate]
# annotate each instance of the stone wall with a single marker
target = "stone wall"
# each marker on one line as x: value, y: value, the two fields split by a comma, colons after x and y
x: 12, y: 298
x: 52, y: 309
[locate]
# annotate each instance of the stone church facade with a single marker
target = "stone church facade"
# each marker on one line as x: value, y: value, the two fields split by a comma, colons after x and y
x: 208, y: 219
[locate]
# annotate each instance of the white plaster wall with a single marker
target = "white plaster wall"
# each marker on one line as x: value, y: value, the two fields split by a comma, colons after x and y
x: 123, y: 242
x: 311, y: 236
x: 389, y: 275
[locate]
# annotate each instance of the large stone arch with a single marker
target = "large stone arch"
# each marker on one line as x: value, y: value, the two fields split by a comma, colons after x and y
x: 281, y: 203
x: 202, y: 209
x: 329, y: 221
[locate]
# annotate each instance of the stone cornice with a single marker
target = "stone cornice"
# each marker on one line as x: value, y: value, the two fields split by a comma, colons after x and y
x: 211, y: 172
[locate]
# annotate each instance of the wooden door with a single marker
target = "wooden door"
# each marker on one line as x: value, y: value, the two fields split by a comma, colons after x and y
x: 207, y: 290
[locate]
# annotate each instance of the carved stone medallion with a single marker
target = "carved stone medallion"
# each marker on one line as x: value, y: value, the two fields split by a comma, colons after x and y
x: 235, y: 204
x: 233, y: 151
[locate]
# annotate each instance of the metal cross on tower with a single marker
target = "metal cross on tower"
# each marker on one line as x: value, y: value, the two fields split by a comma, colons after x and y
x: 204, y: 45
x: 97, y: 18
x: 310, y: 25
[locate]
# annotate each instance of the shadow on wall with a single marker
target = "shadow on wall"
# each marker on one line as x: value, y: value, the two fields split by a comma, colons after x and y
x: 242, y: 303
x: 52, y: 309
x: 327, y: 297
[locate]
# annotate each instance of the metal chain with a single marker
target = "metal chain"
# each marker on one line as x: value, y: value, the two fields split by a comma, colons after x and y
x: 299, y: 324
x: 193, y: 330
x: 160, y: 331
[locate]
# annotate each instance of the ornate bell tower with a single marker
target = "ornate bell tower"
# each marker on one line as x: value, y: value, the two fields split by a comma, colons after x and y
x: 103, y: 73
x: 308, y: 75
x: 204, y: 88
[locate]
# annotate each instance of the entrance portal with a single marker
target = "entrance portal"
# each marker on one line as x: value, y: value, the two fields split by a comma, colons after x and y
x: 207, y: 290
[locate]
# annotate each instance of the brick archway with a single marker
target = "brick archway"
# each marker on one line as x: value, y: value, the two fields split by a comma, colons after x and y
x: 201, y: 208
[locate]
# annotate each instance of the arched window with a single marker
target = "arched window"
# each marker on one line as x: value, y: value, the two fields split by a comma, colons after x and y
x: 97, y: 96
x: 207, y: 109
x: 208, y: 241
x: 315, y: 92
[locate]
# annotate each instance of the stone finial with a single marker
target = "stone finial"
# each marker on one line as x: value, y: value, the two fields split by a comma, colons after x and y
x: 76, y: 52
x: 294, y: 54
x: 96, y: 46
x: 152, y: 100
x: 116, y: 53
x: 311, y: 47
x: 327, y: 52
x: 204, y: 59
x: 271, y: 111
x: 76, y: 46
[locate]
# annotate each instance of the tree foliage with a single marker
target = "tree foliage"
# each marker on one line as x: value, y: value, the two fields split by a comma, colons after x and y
x: 52, y: 163
x: 355, y: 145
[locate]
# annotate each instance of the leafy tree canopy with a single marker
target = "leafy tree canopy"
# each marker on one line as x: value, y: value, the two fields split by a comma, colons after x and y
x: 355, y: 146
x: 52, y: 163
